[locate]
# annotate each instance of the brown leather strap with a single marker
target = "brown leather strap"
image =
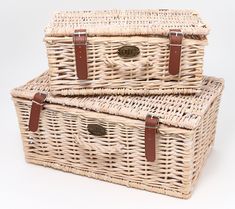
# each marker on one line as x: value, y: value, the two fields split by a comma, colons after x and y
x: 37, y: 105
x: 176, y: 37
x: 151, y: 125
x: 80, y: 47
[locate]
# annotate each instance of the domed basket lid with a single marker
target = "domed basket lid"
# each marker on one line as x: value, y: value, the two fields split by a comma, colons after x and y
x: 127, y: 23
x: 185, y: 111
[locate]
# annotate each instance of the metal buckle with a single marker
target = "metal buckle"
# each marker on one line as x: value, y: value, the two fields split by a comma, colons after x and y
x: 175, y: 45
x: 41, y: 104
x: 79, y: 33
x: 35, y: 102
x: 153, y: 127
x: 176, y: 33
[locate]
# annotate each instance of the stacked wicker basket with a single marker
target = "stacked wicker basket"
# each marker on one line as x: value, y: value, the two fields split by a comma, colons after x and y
x: 124, y: 99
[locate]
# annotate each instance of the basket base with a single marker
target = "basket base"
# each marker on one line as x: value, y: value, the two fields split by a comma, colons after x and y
x: 110, y: 179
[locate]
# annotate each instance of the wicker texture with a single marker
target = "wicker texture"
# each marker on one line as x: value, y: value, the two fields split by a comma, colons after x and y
x: 63, y: 141
x: 108, y: 73
x: 127, y: 22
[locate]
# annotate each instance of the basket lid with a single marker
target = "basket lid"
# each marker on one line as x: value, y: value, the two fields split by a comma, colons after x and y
x: 183, y: 111
x: 127, y: 22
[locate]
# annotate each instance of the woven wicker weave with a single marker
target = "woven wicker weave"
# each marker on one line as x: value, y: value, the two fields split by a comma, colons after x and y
x: 186, y: 135
x: 108, y: 73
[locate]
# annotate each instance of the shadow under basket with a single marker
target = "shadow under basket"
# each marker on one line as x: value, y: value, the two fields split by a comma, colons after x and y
x: 105, y: 137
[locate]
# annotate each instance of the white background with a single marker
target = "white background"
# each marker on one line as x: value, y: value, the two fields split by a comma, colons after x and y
x: 23, y: 56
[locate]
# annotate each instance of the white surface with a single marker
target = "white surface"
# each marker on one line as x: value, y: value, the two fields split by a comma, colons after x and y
x: 23, y: 56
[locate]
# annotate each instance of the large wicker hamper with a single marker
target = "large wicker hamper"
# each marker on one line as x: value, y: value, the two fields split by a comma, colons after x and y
x: 105, y: 137
x: 126, y: 52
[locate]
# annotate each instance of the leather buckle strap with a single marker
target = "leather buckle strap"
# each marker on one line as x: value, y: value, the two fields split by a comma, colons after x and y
x: 176, y: 37
x: 37, y: 105
x: 80, y: 47
x: 151, y: 125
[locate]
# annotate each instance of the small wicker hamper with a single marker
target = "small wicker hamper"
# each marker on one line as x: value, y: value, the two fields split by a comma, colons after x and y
x: 156, y: 143
x: 125, y: 52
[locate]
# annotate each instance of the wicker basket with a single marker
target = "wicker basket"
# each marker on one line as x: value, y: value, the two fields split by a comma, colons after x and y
x: 126, y: 52
x: 117, y: 153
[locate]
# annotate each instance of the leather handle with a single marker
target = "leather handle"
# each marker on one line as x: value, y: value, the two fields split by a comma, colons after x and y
x: 151, y: 125
x: 80, y: 47
x: 36, y: 108
x: 176, y: 37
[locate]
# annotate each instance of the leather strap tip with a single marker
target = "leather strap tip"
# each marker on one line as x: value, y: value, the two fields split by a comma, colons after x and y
x: 174, y: 72
x: 32, y: 129
x: 150, y: 159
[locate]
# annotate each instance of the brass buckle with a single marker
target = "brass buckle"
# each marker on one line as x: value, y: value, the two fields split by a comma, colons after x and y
x: 176, y: 33
x: 157, y: 125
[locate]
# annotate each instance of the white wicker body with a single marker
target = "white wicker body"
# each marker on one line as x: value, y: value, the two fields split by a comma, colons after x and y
x: 185, y: 136
x: 108, y: 73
